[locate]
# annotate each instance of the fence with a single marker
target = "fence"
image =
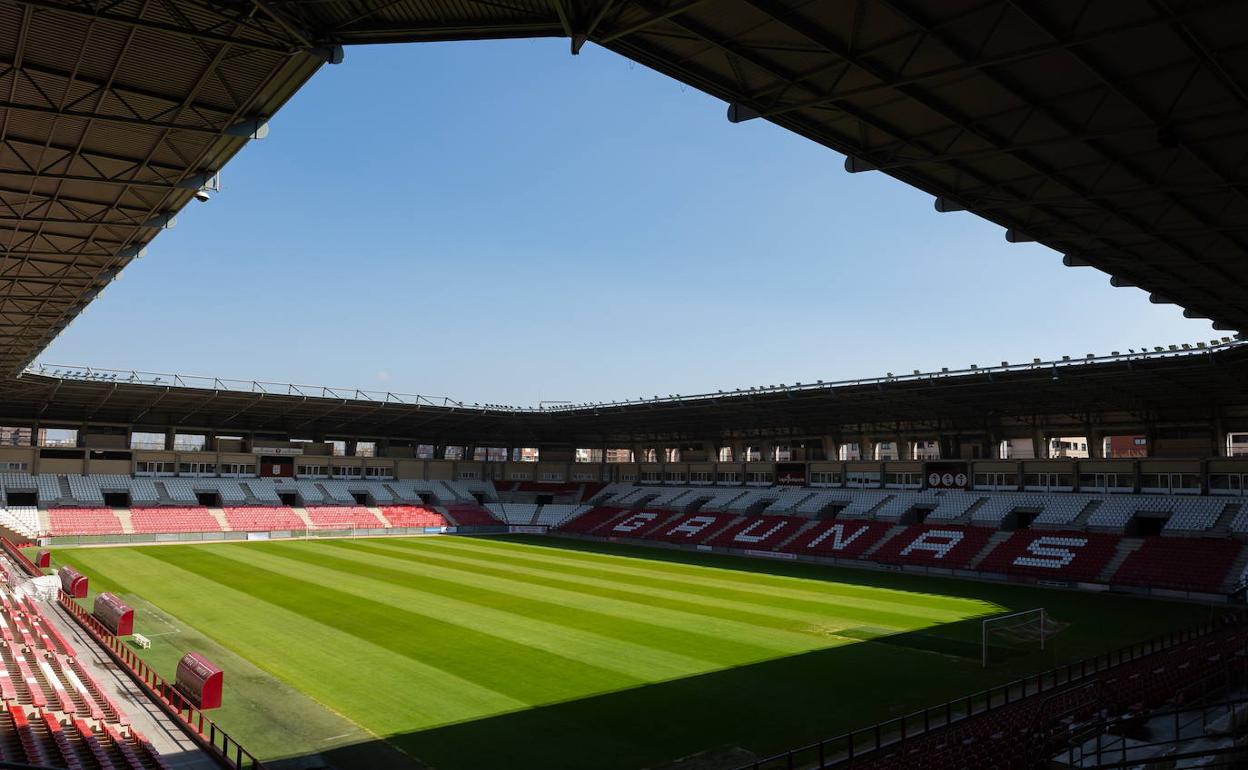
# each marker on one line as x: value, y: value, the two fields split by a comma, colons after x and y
x: 211, y: 738
x: 843, y: 749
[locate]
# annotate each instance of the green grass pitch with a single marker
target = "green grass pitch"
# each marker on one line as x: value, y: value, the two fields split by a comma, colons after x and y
x: 527, y: 653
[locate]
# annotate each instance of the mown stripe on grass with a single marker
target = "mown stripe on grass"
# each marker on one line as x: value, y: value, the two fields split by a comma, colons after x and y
x: 779, y: 629
x: 524, y: 673
x: 336, y: 668
x: 821, y: 594
x: 599, y: 640
x: 774, y: 608
x: 751, y: 579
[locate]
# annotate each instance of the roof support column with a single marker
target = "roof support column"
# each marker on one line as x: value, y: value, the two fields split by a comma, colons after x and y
x: 1039, y: 445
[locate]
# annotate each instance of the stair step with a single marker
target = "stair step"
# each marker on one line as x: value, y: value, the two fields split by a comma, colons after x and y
x: 1126, y: 547
x: 997, y: 538
x: 889, y: 535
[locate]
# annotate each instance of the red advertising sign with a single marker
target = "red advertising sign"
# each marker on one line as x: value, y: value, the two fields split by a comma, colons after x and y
x: 951, y: 475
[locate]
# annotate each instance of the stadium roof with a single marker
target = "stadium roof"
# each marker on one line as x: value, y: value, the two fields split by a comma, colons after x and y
x: 1112, y: 132
x: 1130, y: 392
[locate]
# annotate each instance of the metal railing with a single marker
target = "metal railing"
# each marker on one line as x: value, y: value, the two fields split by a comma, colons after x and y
x: 228, y: 752
x: 845, y: 748
x: 165, y: 379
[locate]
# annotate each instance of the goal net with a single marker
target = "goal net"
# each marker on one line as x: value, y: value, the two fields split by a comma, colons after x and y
x: 1017, y: 633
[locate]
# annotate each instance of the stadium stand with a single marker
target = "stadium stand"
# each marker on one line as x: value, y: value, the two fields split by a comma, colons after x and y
x: 471, y: 516
x: 54, y: 712
x: 1016, y: 733
x: 948, y: 546
x: 262, y: 519
x: 181, y: 519
x: 761, y: 533
x: 693, y: 528
x: 589, y: 521
x: 840, y: 539
x: 513, y: 513
x: 1052, y: 554
x: 83, y: 521
x: 342, y: 516
x: 23, y: 520
x: 412, y: 516
x: 554, y: 514
x: 1180, y: 563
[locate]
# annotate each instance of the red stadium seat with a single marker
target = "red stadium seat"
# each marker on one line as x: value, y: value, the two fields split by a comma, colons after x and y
x: 412, y: 516
x: 591, y: 520
x: 155, y: 520
x: 1049, y: 553
x: 263, y: 518
x: 83, y: 521
x: 934, y: 545
x: 842, y: 539
x: 693, y: 528
x: 760, y: 533
x: 472, y: 516
x: 342, y: 516
x: 1180, y: 563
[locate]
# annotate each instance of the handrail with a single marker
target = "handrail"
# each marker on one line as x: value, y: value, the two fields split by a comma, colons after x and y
x: 216, y: 742
x: 22, y: 560
x: 846, y: 747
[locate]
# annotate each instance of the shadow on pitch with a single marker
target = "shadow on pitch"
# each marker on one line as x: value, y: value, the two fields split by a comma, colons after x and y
x: 758, y: 708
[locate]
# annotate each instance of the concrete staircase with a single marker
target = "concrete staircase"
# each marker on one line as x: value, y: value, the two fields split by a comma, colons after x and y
x: 870, y: 514
x: 712, y: 534
x: 806, y: 527
x: 1223, y: 524
x: 123, y: 515
x: 1236, y: 572
x: 303, y: 516
x: 1126, y: 547
x: 997, y: 538
x: 536, y: 512
x: 889, y: 535
x: 1081, y: 520
x: 970, y: 512
x: 450, y: 520
x: 379, y: 516
x: 219, y: 515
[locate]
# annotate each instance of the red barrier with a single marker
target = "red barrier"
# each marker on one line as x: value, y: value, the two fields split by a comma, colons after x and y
x: 200, y: 681
x: 73, y: 582
x: 43, y: 558
x: 116, y: 615
x: 15, y: 553
x: 218, y: 743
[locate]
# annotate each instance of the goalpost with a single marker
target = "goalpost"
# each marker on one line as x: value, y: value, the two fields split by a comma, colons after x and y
x: 1027, y: 630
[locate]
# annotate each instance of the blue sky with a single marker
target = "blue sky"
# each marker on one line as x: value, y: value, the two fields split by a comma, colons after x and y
x: 503, y: 222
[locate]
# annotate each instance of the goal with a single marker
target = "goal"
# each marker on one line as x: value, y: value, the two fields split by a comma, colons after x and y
x: 1004, y: 636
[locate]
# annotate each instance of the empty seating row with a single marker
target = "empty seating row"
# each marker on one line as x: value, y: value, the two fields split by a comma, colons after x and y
x: 342, y: 517
x: 83, y: 521
x: 590, y: 520
x: 1180, y: 563
x: 262, y: 519
x: 554, y: 514
x: 934, y: 545
x: 169, y: 520
x: 513, y: 513
x: 470, y: 515
x: 1057, y: 554
x: 412, y: 516
x: 692, y: 528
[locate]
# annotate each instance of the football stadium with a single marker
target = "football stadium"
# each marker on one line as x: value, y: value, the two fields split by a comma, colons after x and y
x: 1018, y: 565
